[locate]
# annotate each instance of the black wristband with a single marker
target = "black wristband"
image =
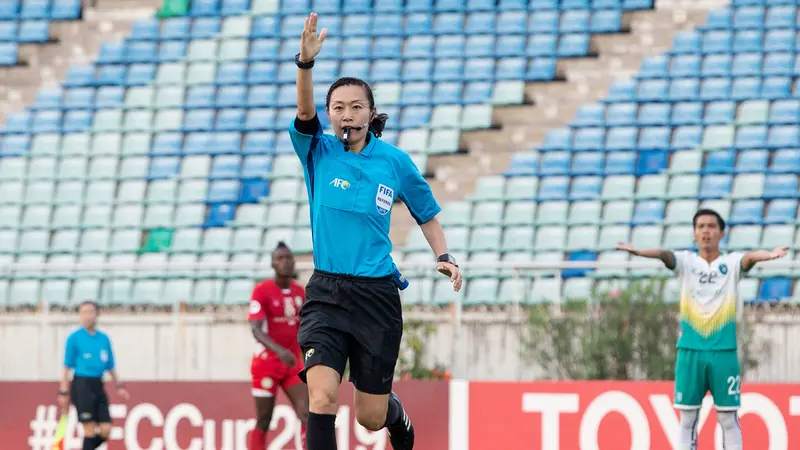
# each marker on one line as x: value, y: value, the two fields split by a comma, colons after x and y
x: 303, y: 65
x: 63, y: 394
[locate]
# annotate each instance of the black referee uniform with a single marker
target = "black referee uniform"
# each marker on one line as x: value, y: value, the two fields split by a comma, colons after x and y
x: 89, y: 355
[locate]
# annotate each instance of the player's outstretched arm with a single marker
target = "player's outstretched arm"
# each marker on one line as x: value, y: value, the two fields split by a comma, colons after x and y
x: 666, y: 256
x: 750, y: 259
x: 310, y: 45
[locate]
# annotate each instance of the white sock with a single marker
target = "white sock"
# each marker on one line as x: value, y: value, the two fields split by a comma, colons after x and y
x: 688, y: 426
x: 731, y: 430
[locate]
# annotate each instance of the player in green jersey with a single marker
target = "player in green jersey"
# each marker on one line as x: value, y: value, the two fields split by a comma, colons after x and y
x: 709, y: 308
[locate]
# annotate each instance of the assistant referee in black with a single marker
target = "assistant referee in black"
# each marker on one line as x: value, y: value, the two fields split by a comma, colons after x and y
x: 352, y: 310
x: 89, y: 356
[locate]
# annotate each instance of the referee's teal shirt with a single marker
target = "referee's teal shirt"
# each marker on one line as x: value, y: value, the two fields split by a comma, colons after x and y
x: 351, y: 197
x: 89, y: 355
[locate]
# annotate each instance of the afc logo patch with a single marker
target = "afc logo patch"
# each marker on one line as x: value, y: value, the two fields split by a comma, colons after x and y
x: 723, y: 269
x: 384, y: 199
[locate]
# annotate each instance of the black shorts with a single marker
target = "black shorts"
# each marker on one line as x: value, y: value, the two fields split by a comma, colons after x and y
x: 356, y: 318
x: 90, y: 400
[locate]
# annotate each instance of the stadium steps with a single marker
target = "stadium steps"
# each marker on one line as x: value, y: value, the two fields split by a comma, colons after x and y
x: 72, y: 42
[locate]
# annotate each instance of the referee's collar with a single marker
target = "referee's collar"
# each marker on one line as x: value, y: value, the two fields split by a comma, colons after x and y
x: 371, y: 141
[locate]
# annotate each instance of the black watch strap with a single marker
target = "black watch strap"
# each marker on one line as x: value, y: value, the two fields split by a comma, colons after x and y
x: 303, y: 65
x: 448, y: 258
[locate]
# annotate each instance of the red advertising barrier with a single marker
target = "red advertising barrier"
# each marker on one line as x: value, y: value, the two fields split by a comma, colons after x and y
x: 618, y: 416
x: 206, y: 416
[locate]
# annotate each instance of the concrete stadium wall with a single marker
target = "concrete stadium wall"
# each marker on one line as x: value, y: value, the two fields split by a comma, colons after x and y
x: 152, y: 346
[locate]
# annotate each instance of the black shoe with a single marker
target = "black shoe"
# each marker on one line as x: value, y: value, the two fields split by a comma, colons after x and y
x: 401, y: 434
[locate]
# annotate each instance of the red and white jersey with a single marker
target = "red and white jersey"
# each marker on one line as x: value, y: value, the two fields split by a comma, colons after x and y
x: 279, y: 308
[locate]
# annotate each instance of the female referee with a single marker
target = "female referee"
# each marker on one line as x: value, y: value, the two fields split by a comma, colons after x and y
x: 352, y: 310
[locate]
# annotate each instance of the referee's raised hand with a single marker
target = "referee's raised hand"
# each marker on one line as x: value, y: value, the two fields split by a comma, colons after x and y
x: 310, y: 42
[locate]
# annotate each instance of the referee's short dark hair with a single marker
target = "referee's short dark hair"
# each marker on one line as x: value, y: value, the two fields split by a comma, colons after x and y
x: 89, y: 302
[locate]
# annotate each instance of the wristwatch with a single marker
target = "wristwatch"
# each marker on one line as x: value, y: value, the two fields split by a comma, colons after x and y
x: 303, y: 65
x: 448, y: 258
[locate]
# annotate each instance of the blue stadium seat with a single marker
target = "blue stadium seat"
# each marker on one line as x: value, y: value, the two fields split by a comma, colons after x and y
x: 776, y: 87
x: 780, y: 186
x: 449, y: 70
x: 585, y: 188
x: 746, y: 65
x: 781, y: 211
x: 654, y: 66
x: 265, y: 27
x: 140, y: 52
x: 684, y: 89
x: 715, y: 186
x: 748, y: 18
x: 204, y: 8
x: 783, y: 136
x: 225, y: 167
x: 590, y: 138
x: 780, y: 17
x: 236, y: 7
x: 109, y: 97
x: 720, y: 162
x: 651, y: 162
x: 144, y: 30
x: 620, y: 163
x: 554, y: 163
x: 778, y: 64
x: 715, y: 89
x: 543, y: 22
x: 81, y: 98
x: 8, y: 54
x: 654, y: 138
x: 621, y: 138
x: 522, y: 164
x: 9, y: 10
x: 220, y: 214
x: 199, y: 97
x: 579, y: 256
x: 258, y: 143
x: 720, y: 42
x: 718, y: 113
x: 587, y: 163
x: 652, y: 90
x: 175, y: 28
x: 687, y: 113
x: 480, y: 23
x: 46, y: 122
x: 418, y: 24
x: 512, y: 22
x: 205, y: 27
x: 163, y: 168
x: 775, y: 289
x: 510, y: 46
x: 541, y: 69
x: 230, y: 120
x: 479, y: 69
x: 18, y: 122
x: 621, y: 114
x: 752, y: 161
x: 720, y: 19
x: 233, y: 96
x: 75, y: 121
x: 419, y: 5
x: 716, y: 66
x: 686, y: 137
x: 447, y: 46
x: 786, y: 161
x: 545, y: 45
x: 606, y: 21
x: 687, y: 42
x: 110, y: 75
x: 553, y: 188
x: 138, y: 74
x: 648, y: 212
x: 511, y: 5
x: 747, y: 41
x: 167, y: 144
x: 590, y: 115
x: 449, y: 24
x: 751, y: 137
x: 654, y: 114
x: 456, y: 5
x: 746, y: 212
x: 778, y: 41
x: 557, y: 139
x: 35, y: 9
x: 15, y: 145
x: 573, y: 45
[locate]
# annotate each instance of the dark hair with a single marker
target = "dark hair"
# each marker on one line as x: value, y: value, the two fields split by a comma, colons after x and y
x: 709, y: 212
x: 378, y: 123
x: 89, y: 302
x: 281, y: 245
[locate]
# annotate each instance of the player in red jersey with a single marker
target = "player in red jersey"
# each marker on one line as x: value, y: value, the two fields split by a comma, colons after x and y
x: 274, y: 320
